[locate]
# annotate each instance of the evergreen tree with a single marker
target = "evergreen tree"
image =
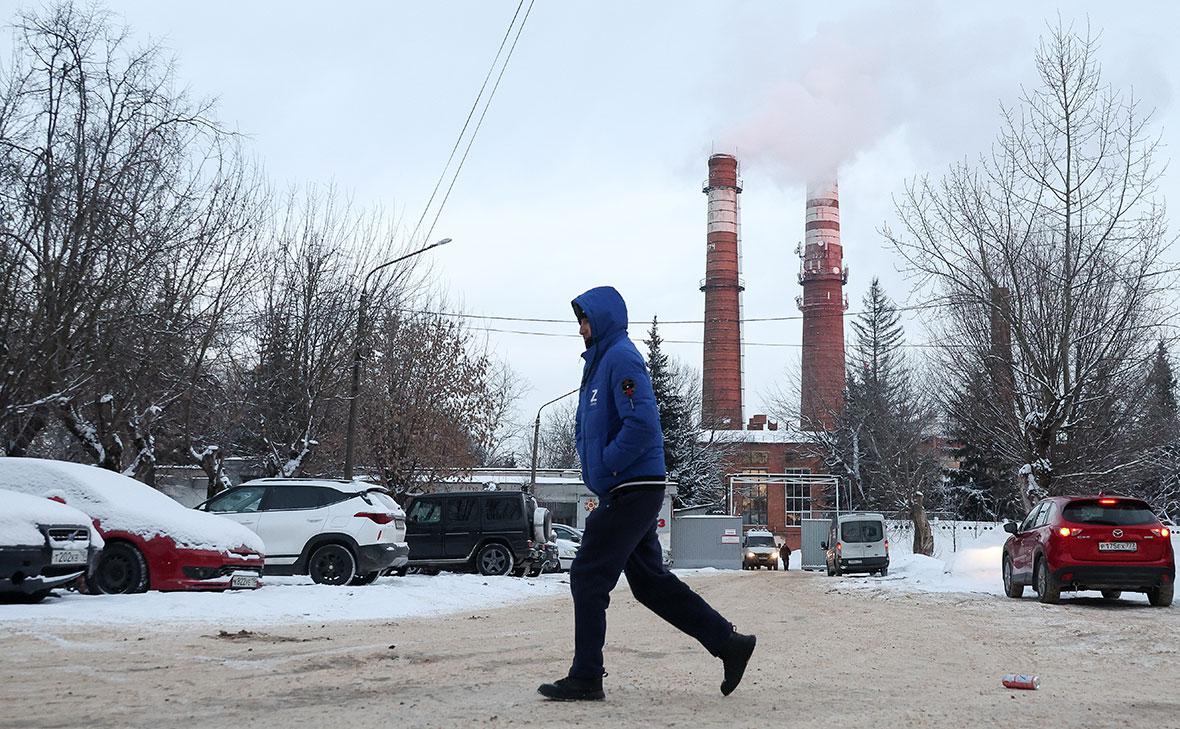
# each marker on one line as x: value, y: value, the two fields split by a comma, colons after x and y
x: 1159, y: 407
x: 669, y: 401
x: 882, y: 441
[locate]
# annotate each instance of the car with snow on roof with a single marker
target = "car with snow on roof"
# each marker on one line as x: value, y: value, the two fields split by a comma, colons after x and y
x: 1113, y: 544
x: 44, y: 544
x: 152, y: 541
x: 337, y: 532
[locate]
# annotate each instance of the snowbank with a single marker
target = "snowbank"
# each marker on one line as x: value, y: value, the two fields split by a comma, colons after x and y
x: 293, y: 600
x: 20, y: 514
x: 120, y: 503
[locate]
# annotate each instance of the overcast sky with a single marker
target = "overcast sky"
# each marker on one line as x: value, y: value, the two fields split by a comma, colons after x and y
x: 589, y: 166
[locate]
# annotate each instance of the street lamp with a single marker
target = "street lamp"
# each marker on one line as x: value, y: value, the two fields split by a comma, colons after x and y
x: 356, y: 356
x: 537, y: 436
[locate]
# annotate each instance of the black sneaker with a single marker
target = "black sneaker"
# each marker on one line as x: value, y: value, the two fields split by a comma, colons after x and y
x: 573, y: 689
x: 735, y: 654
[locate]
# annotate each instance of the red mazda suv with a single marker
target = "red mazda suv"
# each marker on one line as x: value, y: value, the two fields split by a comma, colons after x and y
x: 1074, y: 543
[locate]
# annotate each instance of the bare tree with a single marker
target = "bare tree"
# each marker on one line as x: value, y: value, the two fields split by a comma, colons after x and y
x: 303, y: 326
x: 125, y: 215
x: 558, y: 447
x: 434, y: 400
x: 1061, y: 215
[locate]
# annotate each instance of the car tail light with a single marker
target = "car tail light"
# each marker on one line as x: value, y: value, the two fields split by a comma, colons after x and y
x: 1160, y: 532
x: 1069, y: 531
x: 839, y: 547
x: 58, y: 499
x: 1063, y: 531
x: 1108, y: 502
x: 376, y: 516
x: 886, y: 546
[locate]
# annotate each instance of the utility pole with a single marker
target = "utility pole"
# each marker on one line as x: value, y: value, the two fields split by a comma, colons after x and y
x: 536, y: 438
x: 362, y: 311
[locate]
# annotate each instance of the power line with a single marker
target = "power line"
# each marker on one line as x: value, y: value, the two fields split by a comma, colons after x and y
x: 482, y: 114
x: 467, y: 122
x: 538, y: 320
x: 676, y: 341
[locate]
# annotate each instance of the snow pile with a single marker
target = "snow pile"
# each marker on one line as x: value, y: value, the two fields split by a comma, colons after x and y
x: 20, y: 514
x: 120, y: 503
x: 285, y: 600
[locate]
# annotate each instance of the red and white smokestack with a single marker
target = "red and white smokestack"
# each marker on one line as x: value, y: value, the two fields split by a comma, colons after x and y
x: 721, y: 387
x: 822, y: 275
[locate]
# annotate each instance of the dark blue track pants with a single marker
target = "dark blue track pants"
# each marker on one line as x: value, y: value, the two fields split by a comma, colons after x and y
x: 620, y: 537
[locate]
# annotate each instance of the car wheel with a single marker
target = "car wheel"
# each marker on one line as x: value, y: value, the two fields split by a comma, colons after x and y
x: 364, y: 579
x: 884, y: 571
x: 1112, y: 594
x: 401, y: 571
x: 535, y: 570
x: 1161, y: 596
x: 121, y: 570
x: 1048, y: 589
x: 494, y: 560
x: 1011, y: 588
x: 331, y: 564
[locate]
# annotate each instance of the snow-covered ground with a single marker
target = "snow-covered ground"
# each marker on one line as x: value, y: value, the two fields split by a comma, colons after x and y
x: 966, y: 560
x: 291, y: 600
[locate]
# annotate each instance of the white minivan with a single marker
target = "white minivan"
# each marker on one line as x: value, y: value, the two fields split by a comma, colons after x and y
x: 857, y: 543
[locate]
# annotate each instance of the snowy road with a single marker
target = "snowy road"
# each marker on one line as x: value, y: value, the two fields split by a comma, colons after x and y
x: 831, y: 652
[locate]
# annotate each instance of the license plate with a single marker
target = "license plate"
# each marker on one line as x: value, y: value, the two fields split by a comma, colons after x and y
x: 68, y: 556
x: 853, y: 561
x: 1118, y: 546
x: 247, y: 581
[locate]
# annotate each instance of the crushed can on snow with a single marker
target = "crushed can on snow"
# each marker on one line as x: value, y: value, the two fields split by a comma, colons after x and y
x: 1021, y: 681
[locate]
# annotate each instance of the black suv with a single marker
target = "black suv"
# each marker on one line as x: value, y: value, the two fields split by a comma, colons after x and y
x: 491, y: 532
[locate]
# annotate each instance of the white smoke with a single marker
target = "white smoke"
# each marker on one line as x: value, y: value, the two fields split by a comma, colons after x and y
x: 818, y: 101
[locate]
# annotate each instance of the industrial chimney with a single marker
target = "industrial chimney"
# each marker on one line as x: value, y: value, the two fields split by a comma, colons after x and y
x: 822, y: 274
x: 721, y: 387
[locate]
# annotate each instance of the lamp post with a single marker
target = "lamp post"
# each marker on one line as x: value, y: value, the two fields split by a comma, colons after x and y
x: 350, y: 438
x: 537, y: 437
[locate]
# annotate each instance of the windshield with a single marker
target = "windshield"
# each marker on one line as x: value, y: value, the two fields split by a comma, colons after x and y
x: 862, y: 531
x: 1119, y: 513
x: 759, y: 541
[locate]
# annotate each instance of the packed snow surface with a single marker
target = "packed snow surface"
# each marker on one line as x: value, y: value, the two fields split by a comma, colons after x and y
x: 120, y: 503
x: 20, y: 514
x: 293, y: 600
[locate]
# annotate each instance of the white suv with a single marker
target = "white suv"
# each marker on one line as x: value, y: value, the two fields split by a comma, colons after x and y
x: 338, y: 532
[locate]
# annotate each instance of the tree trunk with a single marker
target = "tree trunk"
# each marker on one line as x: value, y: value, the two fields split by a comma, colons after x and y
x: 923, y: 535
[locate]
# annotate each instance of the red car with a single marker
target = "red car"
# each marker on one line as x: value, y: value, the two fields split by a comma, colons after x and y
x: 152, y: 541
x: 1109, y: 543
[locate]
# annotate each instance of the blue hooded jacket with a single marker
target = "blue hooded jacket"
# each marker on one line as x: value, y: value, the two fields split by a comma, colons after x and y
x: 618, y: 426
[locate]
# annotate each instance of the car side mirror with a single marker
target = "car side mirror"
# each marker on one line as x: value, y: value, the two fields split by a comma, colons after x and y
x: 1011, y: 527
x: 823, y: 545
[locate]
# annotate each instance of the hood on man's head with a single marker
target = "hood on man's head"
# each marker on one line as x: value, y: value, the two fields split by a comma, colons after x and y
x: 606, y: 310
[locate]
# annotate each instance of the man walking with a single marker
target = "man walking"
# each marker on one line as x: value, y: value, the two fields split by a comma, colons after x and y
x: 621, y: 447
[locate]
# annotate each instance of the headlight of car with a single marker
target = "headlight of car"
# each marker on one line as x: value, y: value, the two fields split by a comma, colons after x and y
x: 774, y: 554
x: 749, y: 555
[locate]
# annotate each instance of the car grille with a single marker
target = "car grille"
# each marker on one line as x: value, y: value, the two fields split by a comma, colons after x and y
x: 68, y: 534
x: 209, y: 573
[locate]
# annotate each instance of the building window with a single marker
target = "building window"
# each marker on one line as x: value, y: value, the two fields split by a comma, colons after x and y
x: 753, y: 503
x: 798, y: 498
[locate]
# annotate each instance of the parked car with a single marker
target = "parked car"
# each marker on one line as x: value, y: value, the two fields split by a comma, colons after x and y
x: 490, y: 532
x: 857, y: 542
x: 337, y: 532
x: 1073, y: 543
x: 760, y: 550
x: 44, y: 544
x: 568, y: 540
x: 152, y: 542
